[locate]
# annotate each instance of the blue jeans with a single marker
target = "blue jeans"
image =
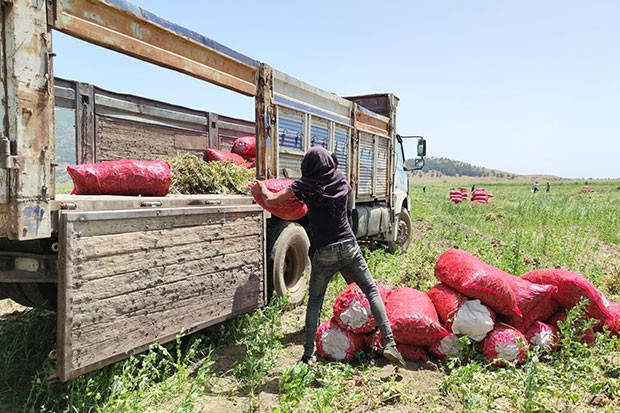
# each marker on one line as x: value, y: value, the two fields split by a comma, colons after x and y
x: 345, y: 256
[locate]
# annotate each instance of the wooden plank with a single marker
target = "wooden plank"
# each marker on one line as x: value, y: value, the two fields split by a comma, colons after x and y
x: 116, y: 139
x: 85, y: 123
x: 105, y: 222
x: 135, y: 32
x: 126, y: 290
x: 161, y: 261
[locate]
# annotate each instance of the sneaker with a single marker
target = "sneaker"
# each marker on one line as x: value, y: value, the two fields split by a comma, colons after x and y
x: 393, y: 355
x: 309, y: 360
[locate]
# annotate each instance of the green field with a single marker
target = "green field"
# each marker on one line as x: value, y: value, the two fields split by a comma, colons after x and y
x: 249, y: 364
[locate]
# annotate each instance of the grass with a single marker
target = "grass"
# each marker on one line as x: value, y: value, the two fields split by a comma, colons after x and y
x: 248, y: 364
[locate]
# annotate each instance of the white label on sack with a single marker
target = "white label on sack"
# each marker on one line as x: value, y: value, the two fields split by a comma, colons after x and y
x: 356, y: 315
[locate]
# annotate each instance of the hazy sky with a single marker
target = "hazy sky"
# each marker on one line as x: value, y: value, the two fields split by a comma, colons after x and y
x: 529, y: 87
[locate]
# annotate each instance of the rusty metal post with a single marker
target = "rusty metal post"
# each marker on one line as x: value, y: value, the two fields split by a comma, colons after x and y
x: 27, y: 112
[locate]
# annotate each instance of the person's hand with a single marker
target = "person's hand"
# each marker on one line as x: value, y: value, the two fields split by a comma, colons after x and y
x: 257, y: 188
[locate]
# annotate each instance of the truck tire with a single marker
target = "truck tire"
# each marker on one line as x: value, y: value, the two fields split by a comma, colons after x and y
x: 35, y: 295
x: 403, y: 237
x: 288, y: 261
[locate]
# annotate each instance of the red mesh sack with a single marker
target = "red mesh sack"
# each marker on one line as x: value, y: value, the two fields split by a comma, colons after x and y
x: 475, y: 279
x: 560, y: 316
x: 534, y: 300
x: 412, y: 353
x: 352, y: 309
x: 504, y: 344
x: 413, y: 317
x: 289, y: 210
x: 123, y: 177
x: 572, y: 288
x: 460, y: 314
x: 409, y: 352
x: 249, y: 164
x: 447, y: 347
x: 218, y: 155
x: 613, y: 321
x: 245, y: 146
x: 542, y: 335
x: 335, y: 343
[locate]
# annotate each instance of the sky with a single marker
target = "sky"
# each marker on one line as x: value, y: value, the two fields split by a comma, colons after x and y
x: 526, y: 87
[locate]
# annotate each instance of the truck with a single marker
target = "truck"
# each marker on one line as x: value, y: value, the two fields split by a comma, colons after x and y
x: 124, y: 272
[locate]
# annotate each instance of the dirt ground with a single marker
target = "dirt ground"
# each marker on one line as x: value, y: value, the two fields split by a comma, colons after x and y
x: 416, y: 383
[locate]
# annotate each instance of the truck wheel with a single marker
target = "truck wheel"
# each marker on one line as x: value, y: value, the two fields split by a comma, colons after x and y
x: 41, y: 295
x: 288, y: 261
x: 403, y: 237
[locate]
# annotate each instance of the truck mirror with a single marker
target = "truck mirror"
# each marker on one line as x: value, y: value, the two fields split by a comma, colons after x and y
x: 422, y: 147
x: 419, y: 163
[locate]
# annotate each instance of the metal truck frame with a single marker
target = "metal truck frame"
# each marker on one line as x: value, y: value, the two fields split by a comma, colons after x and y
x: 126, y: 272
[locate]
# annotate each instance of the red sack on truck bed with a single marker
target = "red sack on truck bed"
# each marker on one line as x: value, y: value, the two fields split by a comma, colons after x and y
x: 124, y: 177
x: 572, y: 288
x: 290, y: 210
x: 245, y: 146
x: 413, y: 317
x: 352, y: 309
x: 335, y: 343
x: 213, y: 155
x: 476, y: 279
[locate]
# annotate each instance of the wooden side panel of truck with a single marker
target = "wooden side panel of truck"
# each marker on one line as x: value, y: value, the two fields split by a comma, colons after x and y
x: 130, y: 278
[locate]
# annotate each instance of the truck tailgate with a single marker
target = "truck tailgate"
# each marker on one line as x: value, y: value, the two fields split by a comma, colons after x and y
x: 130, y: 278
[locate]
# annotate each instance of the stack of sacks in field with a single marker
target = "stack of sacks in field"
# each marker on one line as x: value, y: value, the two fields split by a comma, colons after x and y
x: 481, y: 196
x: 243, y: 153
x: 458, y: 195
x: 527, y: 308
x: 352, y: 328
x: 501, y: 312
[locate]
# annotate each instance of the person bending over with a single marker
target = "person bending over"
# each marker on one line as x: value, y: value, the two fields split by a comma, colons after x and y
x: 326, y: 192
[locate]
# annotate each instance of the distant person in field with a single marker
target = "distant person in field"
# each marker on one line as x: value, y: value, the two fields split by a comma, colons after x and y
x: 326, y: 192
x: 548, y: 187
x: 424, y: 189
x: 535, y: 187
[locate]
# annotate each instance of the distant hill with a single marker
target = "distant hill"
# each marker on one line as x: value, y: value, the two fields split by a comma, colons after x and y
x: 448, y: 169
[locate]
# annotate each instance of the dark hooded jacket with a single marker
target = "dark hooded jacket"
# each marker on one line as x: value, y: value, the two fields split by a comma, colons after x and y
x: 326, y: 192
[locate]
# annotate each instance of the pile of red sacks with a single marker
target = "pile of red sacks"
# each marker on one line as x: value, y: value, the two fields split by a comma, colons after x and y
x: 243, y: 152
x: 458, y: 195
x: 478, y: 195
x: 501, y: 312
